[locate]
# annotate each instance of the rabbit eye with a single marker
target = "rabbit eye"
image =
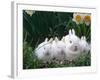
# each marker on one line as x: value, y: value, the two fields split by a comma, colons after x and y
x: 44, y: 47
x: 70, y: 41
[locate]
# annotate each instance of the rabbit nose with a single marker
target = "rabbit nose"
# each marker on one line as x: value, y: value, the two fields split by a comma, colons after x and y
x: 47, y: 54
x: 75, y: 48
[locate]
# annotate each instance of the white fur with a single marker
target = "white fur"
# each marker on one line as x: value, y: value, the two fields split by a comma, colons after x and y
x: 68, y: 48
x: 57, y: 49
x: 73, y: 48
x: 42, y: 51
x: 84, y: 45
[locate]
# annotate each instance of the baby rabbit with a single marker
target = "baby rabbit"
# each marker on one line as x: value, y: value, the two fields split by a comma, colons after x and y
x: 84, y: 45
x: 56, y: 50
x: 60, y: 45
x: 53, y: 49
x: 73, y: 48
x: 69, y: 48
x: 71, y: 37
x: 42, y: 51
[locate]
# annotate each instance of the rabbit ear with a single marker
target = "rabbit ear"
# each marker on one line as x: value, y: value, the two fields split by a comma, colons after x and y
x: 70, y: 32
x: 51, y: 40
x: 84, y: 38
x: 63, y: 39
x: 46, y: 39
x: 73, y: 31
x: 56, y: 39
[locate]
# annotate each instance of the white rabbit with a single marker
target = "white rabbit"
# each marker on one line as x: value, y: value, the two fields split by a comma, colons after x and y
x: 69, y: 48
x: 73, y: 48
x: 60, y: 45
x: 56, y: 50
x: 71, y: 37
x: 84, y: 45
x: 53, y: 48
x: 42, y: 51
x: 39, y: 51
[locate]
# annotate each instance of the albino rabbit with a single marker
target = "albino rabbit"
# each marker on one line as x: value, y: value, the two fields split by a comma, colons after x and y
x: 71, y: 37
x: 53, y: 48
x: 69, y: 48
x: 56, y: 50
x: 84, y: 45
x: 60, y: 47
x: 42, y: 51
x: 73, y: 48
